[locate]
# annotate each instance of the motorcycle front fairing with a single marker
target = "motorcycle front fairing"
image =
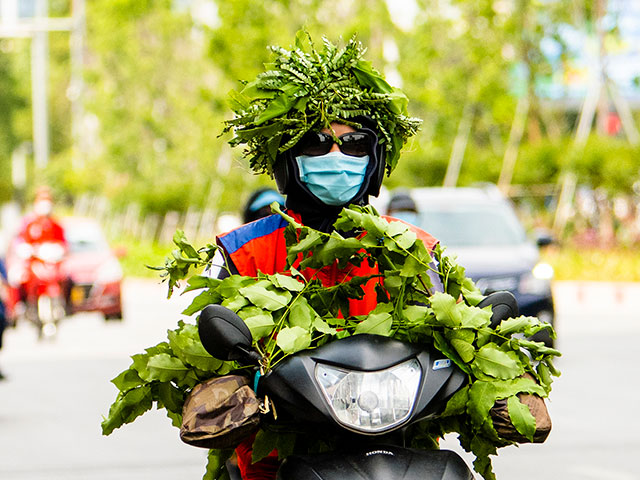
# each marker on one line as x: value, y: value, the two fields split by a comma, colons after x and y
x: 375, y: 463
x: 298, y: 395
x: 299, y: 391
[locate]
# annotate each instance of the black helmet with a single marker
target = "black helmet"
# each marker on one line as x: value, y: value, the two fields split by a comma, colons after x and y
x: 401, y: 201
x: 259, y: 204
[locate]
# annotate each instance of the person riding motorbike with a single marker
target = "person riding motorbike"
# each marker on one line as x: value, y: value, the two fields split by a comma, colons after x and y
x: 3, y: 310
x: 333, y: 160
x: 38, y: 228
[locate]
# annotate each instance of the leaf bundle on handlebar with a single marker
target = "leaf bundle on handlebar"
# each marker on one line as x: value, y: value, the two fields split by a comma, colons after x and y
x: 292, y: 311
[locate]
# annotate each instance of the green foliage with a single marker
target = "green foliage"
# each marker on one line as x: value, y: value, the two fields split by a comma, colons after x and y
x: 163, y: 375
x: 308, y: 88
x: 292, y: 311
x: 11, y: 101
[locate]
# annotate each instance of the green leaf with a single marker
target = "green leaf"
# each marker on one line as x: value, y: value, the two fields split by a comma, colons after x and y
x: 464, y: 349
x: 507, y: 388
x: 538, y: 348
x: 165, y: 368
x: 412, y: 267
x: 470, y: 292
x: 266, y: 441
x: 127, y: 380
x: 301, y: 314
x: 216, y: 460
x: 492, y: 361
x: 393, y: 283
x: 286, y: 282
x: 482, y: 448
x: 260, y: 322
x: 311, y: 239
x: 473, y: 317
x: 277, y: 107
x: 207, y: 297
x: 285, y: 444
x: 198, y: 281
x: 458, y: 403
x: 482, y: 396
x: 336, y: 248
x: 175, y: 417
x: 170, y: 397
x: 417, y: 314
x: 323, y: 327
x: 545, y: 375
x: 187, y: 346
x: 127, y: 408
x: 293, y: 339
x: 405, y: 240
x: 263, y: 295
x: 514, y: 325
x: 521, y: 417
x: 446, y: 309
x: 180, y: 239
x: 376, y: 323
x: 235, y: 303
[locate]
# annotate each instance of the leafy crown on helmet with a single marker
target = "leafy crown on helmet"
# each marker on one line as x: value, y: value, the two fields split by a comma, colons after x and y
x: 307, y: 89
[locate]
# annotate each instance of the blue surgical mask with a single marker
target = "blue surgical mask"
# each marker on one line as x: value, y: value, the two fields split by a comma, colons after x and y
x: 334, y: 178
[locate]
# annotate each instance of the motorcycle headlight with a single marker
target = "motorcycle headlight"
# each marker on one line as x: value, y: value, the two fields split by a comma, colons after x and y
x: 50, y: 252
x: 538, y: 282
x: 371, y: 402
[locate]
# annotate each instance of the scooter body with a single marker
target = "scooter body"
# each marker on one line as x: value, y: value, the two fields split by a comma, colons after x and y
x: 363, y: 390
x: 43, y: 287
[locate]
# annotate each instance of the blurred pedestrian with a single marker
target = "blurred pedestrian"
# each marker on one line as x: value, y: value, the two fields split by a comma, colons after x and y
x: 3, y: 310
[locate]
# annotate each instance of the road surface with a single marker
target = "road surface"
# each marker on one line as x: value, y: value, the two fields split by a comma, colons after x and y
x: 56, y: 393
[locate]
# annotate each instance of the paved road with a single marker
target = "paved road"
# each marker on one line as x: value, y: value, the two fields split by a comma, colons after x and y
x: 52, y: 403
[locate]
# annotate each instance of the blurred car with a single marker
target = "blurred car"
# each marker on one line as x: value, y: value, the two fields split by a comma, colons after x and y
x: 480, y: 227
x: 93, y: 269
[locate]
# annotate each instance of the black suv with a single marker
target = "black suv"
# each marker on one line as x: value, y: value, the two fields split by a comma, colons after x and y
x: 479, y: 226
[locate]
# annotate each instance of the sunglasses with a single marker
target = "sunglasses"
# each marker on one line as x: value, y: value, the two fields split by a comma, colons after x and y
x: 355, y: 144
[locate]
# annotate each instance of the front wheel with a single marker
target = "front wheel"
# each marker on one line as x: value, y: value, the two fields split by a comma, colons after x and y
x: 50, y: 310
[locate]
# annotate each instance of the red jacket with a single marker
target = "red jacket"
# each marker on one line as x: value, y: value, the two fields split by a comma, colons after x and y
x: 260, y: 247
x: 40, y: 229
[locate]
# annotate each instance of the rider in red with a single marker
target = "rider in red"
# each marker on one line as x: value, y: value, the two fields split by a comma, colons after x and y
x: 38, y: 227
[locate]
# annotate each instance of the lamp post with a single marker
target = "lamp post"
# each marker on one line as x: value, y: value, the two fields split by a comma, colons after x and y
x: 37, y: 25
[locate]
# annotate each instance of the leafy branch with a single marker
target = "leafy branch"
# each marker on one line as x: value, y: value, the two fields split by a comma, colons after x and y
x: 292, y: 311
x: 308, y: 88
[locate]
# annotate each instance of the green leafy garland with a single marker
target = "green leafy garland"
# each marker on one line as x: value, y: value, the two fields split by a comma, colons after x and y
x: 307, y: 89
x: 287, y: 312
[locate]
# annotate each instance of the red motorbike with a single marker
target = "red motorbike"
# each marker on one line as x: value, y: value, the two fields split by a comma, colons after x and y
x: 42, y: 285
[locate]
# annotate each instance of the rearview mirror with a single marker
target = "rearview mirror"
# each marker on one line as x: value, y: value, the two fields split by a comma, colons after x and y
x: 225, y: 335
x: 503, y: 306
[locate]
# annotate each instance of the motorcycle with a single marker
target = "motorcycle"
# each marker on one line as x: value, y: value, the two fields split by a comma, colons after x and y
x: 366, y: 388
x: 42, y: 285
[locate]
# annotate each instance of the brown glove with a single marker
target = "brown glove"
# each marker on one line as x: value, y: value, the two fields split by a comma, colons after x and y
x: 502, y: 422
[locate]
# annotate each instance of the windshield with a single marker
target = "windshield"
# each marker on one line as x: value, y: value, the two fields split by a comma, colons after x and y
x: 473, y: 225
x: 85, y: 238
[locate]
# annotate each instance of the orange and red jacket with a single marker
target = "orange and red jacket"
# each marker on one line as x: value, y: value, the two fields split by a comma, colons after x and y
x: 260, y: 247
